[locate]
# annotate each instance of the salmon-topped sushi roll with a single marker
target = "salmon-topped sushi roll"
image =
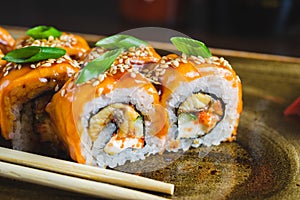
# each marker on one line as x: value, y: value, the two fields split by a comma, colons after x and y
x: 28, y: 79
x: 202, y: 94
x: 109, y: 113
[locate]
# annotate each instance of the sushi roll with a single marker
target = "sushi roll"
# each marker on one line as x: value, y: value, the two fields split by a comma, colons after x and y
x: 48, y: 36
x: 115, y: 116
x: 7, y: 42
x: 28, y: 79
x: 202, y: 94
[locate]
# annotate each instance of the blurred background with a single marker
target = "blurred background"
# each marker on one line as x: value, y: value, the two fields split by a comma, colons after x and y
x: 263, y: 26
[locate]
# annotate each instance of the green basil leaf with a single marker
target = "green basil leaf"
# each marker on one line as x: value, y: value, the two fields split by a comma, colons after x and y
x: 120, y: 41
x: 33, y: 54
x: 98, y: 65
x: 190, y: 47
x: 43, y: 32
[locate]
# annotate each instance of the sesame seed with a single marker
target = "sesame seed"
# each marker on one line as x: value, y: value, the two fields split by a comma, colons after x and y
x: 101, y: 77
x: 76, y: 75
x: 209, y: 61
x: 56, y: 88
x: 157, y: 73
x: 131, y: 54
x: 197, y: 62
x: 6, y: 73
x: 144, y: 54
x: 164, y: 66
x: 159, y: 69
x: 51, y: 60
x: 127, y: 62
x: 66, y: 57
x: 43, y: 80
x: 70, y: 85
x: 114, y: 67
x: 126, y: 66
x: 59, y: 61
x: 193, y: 57
x: 100, y: 90
x: 95, y: 83
x: 50, y: 38
x: 163, y: 71
x: 226, y: 64
x: 114, y: 71
x: 216, y: 63
x: 150, y: 53
x: 176, y: 63
x: 62, y: 93
x: 184, y: 60
x: 138, y: 53
x: 201, y: 59
x: 148, y: 75
x: 75, y: 64
x: 36, y: 42
x: 155, y: 78
x: 214, y: 58
x: 46, y: 64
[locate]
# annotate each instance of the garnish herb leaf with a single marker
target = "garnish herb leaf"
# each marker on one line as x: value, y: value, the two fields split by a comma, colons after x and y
x: 120, y: 41
x: 33, y: 54
x: 98, y: 65
x: 190, y: 47
x: 43, y: 32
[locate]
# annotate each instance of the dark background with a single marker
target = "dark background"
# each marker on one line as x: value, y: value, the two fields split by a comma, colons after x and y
x: 264, y: 26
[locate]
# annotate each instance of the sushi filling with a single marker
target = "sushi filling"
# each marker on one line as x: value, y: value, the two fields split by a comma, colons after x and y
x: 129, y: 131
x: 33, y: 130
x: 198, y: 115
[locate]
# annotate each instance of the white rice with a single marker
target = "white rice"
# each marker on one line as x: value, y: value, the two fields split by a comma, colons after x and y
x: 23, y: 137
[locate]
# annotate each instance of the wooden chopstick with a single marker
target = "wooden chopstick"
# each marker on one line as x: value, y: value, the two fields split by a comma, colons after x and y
x: 84, y: 171
x: 70, y: 183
